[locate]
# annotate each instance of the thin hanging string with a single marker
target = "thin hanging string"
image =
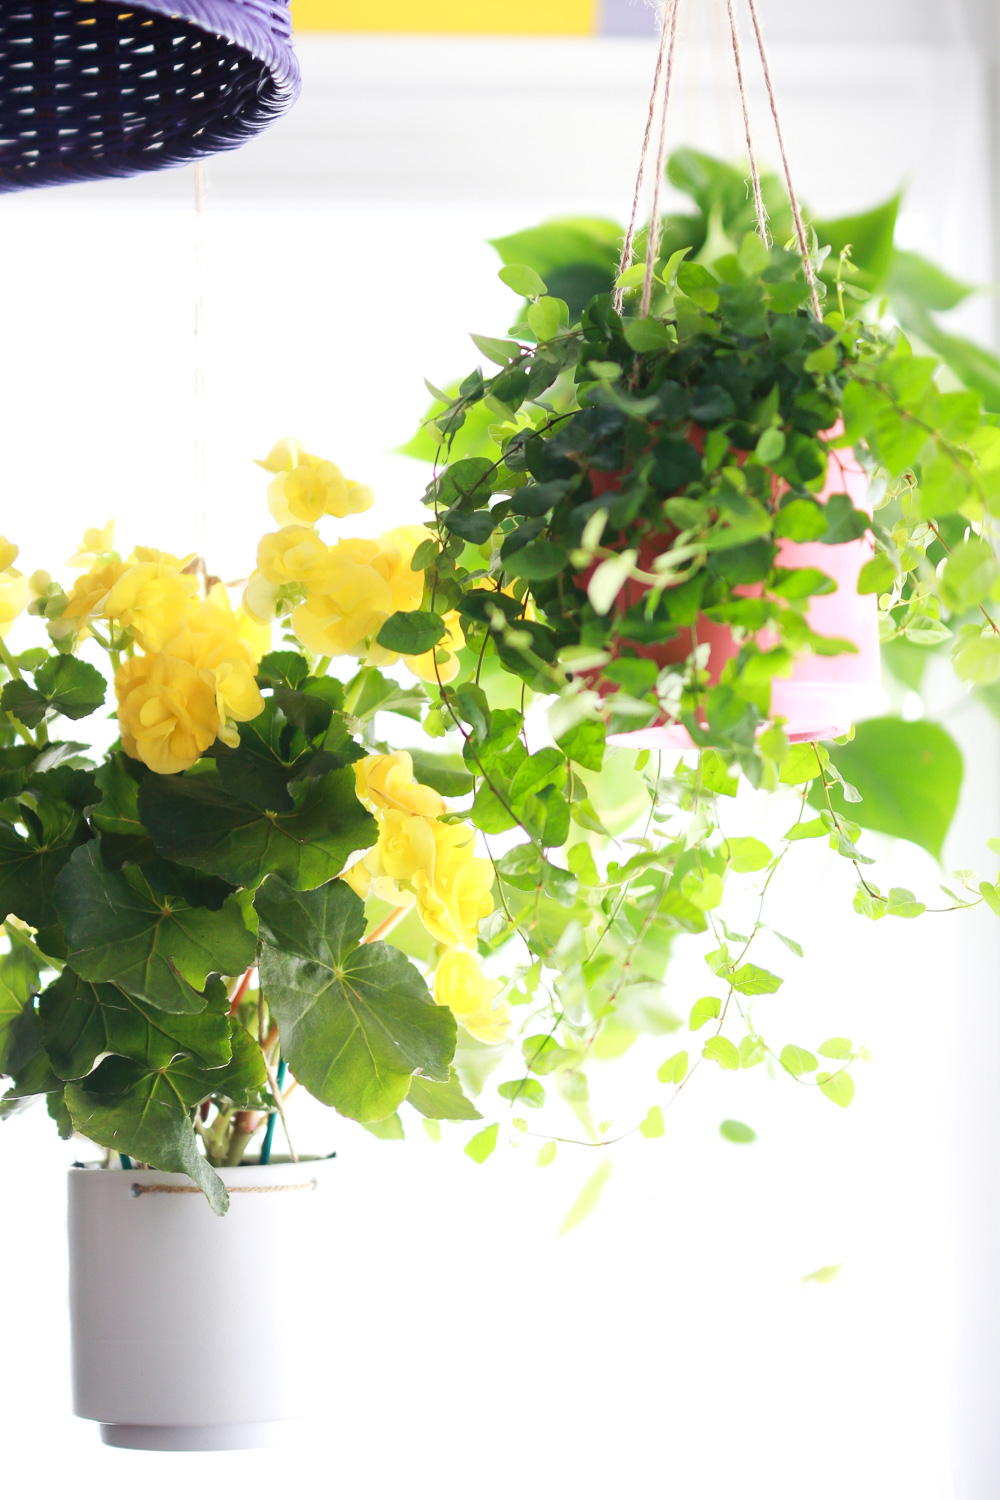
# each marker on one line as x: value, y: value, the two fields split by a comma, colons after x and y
x: 758, y: 197
x: 800, y: 231
x: 655, y: 224
x: 628, y: 246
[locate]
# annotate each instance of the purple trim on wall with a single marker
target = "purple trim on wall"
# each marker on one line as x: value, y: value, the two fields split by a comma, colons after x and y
x: 627, y: 18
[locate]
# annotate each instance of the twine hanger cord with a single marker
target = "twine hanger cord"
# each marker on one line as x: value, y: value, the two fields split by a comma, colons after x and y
x: 664, y: 68
x: 655, y: 223
x: 626, y: 255
x: 800, y: 231
x: 758, y: 197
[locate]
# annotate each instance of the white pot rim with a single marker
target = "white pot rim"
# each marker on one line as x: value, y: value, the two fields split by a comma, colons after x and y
x: 276, y: 1176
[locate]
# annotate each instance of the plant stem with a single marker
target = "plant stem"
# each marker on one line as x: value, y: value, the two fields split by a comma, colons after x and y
x: 387, y: 925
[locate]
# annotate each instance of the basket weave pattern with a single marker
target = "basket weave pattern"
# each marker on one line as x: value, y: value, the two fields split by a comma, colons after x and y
x: 88, y: 89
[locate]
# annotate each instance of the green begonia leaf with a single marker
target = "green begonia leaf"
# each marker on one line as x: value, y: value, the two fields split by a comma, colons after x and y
x: 355, y: 1021
x: 81, y: 1021
x: 19, y: 971
x: 441, y: 1101
x: 909, y: 775
x: 145, y: 1112
x: 116, y: 816
x: 63, y: 685
x: 31, y: 861
x: 196, y: 820
x: 159, y: 948
x: 299, y: 734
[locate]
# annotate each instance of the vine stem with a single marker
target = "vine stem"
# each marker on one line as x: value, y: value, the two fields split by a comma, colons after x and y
x: 387, y: 925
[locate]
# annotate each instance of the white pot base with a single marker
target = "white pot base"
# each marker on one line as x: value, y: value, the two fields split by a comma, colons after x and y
x: 197, y: 1439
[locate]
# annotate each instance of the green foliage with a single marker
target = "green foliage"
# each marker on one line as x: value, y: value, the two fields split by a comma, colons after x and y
x: 355, y: 1020
x: 145, y: 1111
x: 123, y: 929
x: 909, y: 776
x: 197, y: 819
x: 63, y: 685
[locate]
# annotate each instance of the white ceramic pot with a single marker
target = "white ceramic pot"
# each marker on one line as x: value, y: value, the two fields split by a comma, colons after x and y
x: 189, y: 1330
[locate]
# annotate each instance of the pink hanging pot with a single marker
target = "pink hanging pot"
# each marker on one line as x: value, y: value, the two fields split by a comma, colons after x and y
x: 824, y: 694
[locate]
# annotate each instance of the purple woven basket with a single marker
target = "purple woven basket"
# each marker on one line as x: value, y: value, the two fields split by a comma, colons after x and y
x: 89, y: 89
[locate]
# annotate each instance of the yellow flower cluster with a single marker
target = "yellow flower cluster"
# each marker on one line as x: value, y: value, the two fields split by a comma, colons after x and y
x: 305, y: 487
x: 14, y: 592
x: 346, y: 593
x: 470, y: 995
x: 174, y: 702
x: 421, y: 861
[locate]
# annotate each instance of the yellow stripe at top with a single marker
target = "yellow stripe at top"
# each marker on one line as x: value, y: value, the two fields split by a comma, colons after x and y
x: 486, y: 17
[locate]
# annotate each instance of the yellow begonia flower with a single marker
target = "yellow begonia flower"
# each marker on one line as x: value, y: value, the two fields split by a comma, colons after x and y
x: 386, y: 782
x: 86, y: 597
x: 295, y: 554
x: 97, y: 542
x: 150, y: 598
x: 348, y: 606
x: 223, y: 654
x: 361, y: 583
x: 14, y: 591
x: 8, y: 554
x: 167, y: 711
x: 455, y: 897
x: 305, y: 487
x: 217, y: 613
x: 255, y: 635
x: 260, y: 600
x: 469, y: 994
x: 405, y: 844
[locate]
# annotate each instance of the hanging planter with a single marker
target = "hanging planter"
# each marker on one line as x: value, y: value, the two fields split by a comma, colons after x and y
x: 89, y: 88
x: 186, y: 1327
x: 824, y: 694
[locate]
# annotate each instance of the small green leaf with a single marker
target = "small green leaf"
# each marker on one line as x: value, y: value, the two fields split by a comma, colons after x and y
x: 500, y: 351
x: 838, y: 1087
x: 703, y: 1010
x: 523, y: 280
x: 482, y: 1145
x: 877, y: 576
x: 749, y: 979
x: 801, y: 764
x: 546, y: 1155
x: 674, y: 1070
x: 546, y: 317
x: 590, y: 1196
x: 63, y: 685
x: 991, y: 895
x: 903, y: 903
x: 752, y: 1052
x: 523, y: 1091
x: 411, y: 632
x: 748, y: 855
x: 719, y: 1049
x: 796, y: 1060
x: 737, y: 1132
x: 441, y: 1101
x: 824, y: 1275
x: 838, y: 1048
x: 652, y: 1126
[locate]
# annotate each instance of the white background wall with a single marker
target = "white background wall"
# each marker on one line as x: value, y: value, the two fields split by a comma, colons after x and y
x: 669, y: 1346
